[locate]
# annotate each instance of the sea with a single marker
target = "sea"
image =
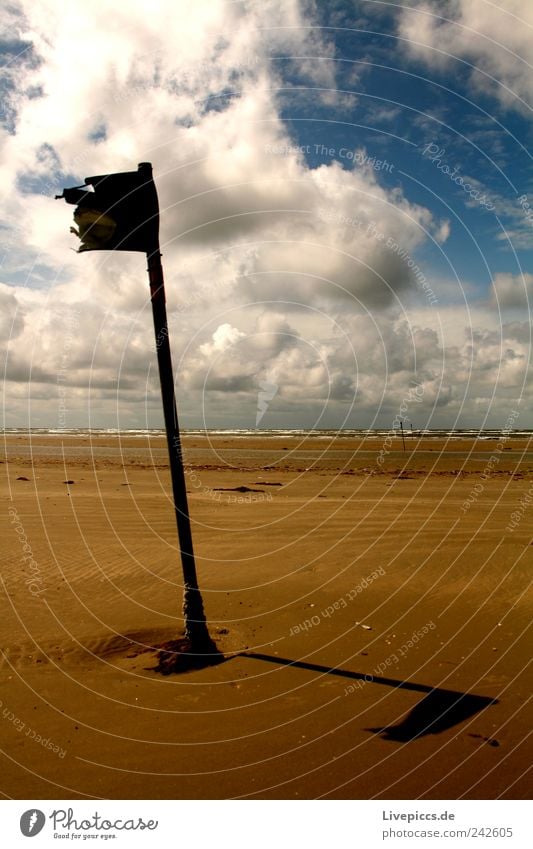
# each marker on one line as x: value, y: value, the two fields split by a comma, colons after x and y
x: 244, y: 433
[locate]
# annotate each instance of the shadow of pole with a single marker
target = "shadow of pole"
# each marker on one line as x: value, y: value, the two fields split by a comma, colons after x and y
x: 439, y: 710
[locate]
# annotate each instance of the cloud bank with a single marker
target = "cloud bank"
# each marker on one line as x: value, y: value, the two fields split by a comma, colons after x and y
x: 300, y: 276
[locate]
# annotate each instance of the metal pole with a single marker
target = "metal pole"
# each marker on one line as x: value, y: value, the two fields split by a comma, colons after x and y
x: 403, y: 437
x: 196, y: 630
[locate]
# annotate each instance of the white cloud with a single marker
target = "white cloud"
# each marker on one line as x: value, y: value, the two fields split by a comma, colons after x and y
x: 224, y: 337
x: 11, y: 315
x: 513, y: 291
x: 497, y: 39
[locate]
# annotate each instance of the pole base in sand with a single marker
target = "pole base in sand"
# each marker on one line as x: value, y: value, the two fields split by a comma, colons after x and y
x: 182, y: 655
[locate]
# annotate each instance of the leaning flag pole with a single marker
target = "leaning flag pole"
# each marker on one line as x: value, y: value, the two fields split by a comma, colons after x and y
x: 121, y: 213
x: 193, y: 611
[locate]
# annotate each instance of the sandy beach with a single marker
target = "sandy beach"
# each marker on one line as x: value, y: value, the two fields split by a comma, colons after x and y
x: 370, y: 602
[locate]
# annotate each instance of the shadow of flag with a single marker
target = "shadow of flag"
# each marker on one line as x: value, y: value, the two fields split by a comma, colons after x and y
x: 438, y: 711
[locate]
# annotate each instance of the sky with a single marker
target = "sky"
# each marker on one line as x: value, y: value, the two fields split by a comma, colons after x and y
x: 346, y: 200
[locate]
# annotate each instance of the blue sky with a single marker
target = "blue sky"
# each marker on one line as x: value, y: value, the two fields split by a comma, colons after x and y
x: 402, y: 108
x: 347, y: 211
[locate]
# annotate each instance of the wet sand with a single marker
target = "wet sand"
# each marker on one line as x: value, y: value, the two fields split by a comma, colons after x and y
x: 371, y: 604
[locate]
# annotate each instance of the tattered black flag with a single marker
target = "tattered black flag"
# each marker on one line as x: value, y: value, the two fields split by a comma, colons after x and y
x: 120, y: 213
